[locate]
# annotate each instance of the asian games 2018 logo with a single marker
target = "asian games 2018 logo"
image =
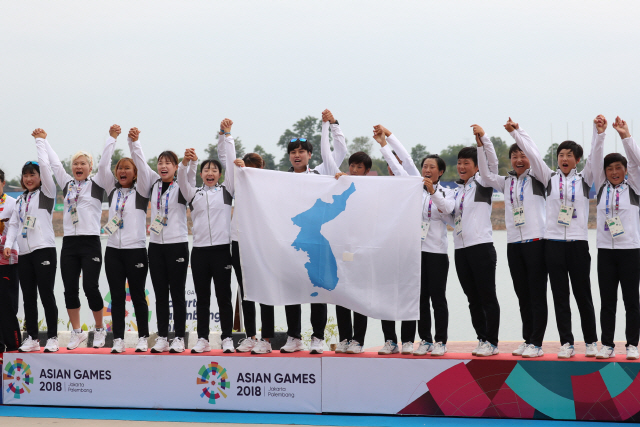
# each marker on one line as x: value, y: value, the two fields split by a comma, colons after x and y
x: 216, y: 376
x: 20, y: 376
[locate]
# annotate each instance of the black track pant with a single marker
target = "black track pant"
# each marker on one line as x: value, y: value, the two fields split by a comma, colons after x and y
x: 294, y: 320
x: 249, y: 307
x: 81, y: 255
x: 37, y: 272
x: 619, y: 266
x: 348, y: 330
x: 207, y: 263
x: 9, y: 326
x: 529, y: 276
x: 168, y: 265
x: 127, y: 266
x: 433, y: 288
x: 571, y: 260
x: 476, y: 268
x: 12, y: 290
x: 389, y: 330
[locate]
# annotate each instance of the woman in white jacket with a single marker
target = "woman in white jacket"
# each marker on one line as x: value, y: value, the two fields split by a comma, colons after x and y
x: 31, y: 226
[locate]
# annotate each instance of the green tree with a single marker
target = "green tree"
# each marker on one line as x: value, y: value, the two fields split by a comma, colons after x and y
x: 360, y: 143
x: 418, y: 153
x: 502, y: 152
x: 211, y: 152
x: 268, y: 158
x: 379, y: 166
x: 309, y: 128
x: 117, y: 155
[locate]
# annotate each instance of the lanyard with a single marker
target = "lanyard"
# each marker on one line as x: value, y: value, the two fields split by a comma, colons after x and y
x: 617, y: 207
x: 26, y: 209
x: 573, y: 190
x: 521, y: 191
x: 75, y: 202
x: 124, y: 202
x: 428, y: 209
x: 461, y: 207
x: 3, y: 199
x: 166, y: 203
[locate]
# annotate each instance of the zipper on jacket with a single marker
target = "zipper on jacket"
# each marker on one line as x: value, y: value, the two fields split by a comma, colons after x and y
x: 209, y: 218
x: 519, y: 228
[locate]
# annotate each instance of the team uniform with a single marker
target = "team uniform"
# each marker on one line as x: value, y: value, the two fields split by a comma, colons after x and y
x: 31, y: 227
x: 566, y: 246
x: 125, y: 259
x: 9, y: 286
x: 525, y: 214
x: 168, y: 248
x: 618, y: 240
x: 475, y: 256
x: 211, y: 253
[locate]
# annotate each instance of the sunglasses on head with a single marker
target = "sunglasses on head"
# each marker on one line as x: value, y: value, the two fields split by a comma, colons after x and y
x: 298, y: 139
x: 31, y: 163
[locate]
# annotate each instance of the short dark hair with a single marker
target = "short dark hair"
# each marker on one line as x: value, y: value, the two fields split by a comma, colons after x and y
x: 361, y: 157
x: 614, y: 157
x: 214, y: 161
x: 469, y: 153
x: 253, y: 160
x: 171, y: 157
x: 29, y: 167
x: 442, y: 166
x: 296, y: 143
x: 1, y: 175
x: 575, y: 148
x: 513, y: 149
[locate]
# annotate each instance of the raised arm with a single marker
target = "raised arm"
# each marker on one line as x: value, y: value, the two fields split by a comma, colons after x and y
x: 328, y: 166
x: 229, y: 178
x: 104, y: 177
x: 632, y: 150
x: 339, y: 142
x: 539, y: 168
x: 401, y: 152
x: 56, y: 165
x: 187, y: 188
x: 46, y: 178
x: 222, y: 155
x: 380, y: 137
x: 593, y: 171
x: 486, y: 156
x: 146, y: 175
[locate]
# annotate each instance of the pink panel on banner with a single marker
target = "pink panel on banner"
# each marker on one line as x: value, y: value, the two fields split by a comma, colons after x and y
x: 628, y: 402
x: 592, y: 399
x: 458, y: 393
x: 510, y: 405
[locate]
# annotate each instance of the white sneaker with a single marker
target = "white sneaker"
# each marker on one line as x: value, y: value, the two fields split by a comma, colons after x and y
x: 439, y: 349
x: 142, y: 345
x: 161, y: 345
x: 592, y: 350
x: 407, y: 347
x: 389, y: 348
x: 606, y: 352
x: 201, y: 346
x: 520, y: 350
x: 316, y: 346
x: 478, y: 347
x: 342, y: 346
x: 261, y: 347
x: 632, y: 352
x: 423, y: 348
x: 246, y: 345
x: 177, y: 345
x: 354, y: 348
x: 227, y: 345
x: 99, y: 337
x: 52, y: 345
x: 118, y: 346
x: 29, y: 345
x: 292, y: 345
x: 488, y: 349
x: 532, y: 351
x: 76, y: 339
x: 566, y: 351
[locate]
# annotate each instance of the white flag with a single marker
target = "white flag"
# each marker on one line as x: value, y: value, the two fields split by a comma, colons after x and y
x: 353, y: 242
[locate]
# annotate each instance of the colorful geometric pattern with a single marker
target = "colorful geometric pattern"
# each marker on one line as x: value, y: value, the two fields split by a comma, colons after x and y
x: 220, y: 381
x: 19, y: 373
x: 592, y: 391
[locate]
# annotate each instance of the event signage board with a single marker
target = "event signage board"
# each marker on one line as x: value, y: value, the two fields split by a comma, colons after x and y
x: 212, y: 382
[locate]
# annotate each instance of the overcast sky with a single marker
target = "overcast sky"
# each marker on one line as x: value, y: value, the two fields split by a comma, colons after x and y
x: 426, y: 70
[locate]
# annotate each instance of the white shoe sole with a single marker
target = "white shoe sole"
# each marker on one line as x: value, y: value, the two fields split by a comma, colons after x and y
x: 153, y: 350
x: 316, y: 351
x: 438, y: 355
x: 77, y: 345
x: 632, y: 357
x: 229, y: 350
x: 138, y: 350
x: 114, y: 351
x: 47, y: 350
x: 282, y: 350
x: 173, y: 350
x: 244, y: 351
x: 566, y: 357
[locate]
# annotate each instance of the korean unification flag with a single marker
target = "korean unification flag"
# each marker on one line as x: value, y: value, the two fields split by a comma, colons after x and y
x: 308, y: 238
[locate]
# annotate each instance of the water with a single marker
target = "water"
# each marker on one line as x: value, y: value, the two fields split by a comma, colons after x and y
x: 460, y: 328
